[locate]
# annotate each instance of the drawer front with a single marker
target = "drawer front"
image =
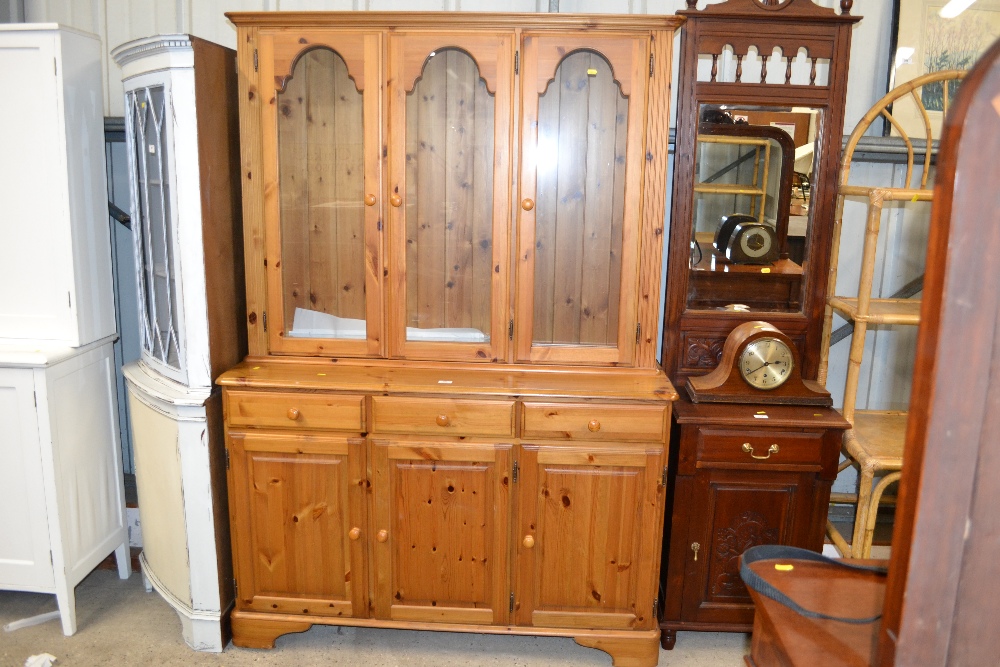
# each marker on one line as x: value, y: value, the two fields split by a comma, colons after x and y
x: 594, y: 421
x: 442, y: 416
x: 760, y: 447
x: 272, y: 409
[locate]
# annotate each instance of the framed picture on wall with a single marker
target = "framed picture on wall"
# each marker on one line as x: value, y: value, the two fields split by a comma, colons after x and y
x: 935, y: 35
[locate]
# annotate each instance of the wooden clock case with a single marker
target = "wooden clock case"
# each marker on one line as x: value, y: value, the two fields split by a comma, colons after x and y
x: 745, y: 473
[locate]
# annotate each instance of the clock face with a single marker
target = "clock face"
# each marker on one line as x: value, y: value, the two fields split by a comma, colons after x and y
x: 766, y: 363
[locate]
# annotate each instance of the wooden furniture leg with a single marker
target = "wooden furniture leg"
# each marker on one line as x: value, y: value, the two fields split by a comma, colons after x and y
x: 872, y: 513
x: 639, y: 651
x: 261, y: 633
x: 866, y: 479
x: 667, y: 639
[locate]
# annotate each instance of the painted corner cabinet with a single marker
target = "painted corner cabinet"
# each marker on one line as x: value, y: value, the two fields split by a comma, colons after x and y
x: 451, y: 416
x: 182, y: 131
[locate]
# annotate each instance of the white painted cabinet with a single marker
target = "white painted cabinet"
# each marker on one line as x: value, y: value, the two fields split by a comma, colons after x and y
x: 62, y: 503
x: 55, y: 259
x: 182, y: 142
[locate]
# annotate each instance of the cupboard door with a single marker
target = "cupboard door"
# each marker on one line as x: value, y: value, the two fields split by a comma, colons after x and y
x: 322, y: 203
x: 587, y: 547
x: 441, y: 526
x: 297, y: 504
x: 450, y: 99
x: 582, y: 134
x: 731, y: 511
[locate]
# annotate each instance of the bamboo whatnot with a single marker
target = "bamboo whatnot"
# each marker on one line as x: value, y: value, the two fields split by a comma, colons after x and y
x: 875, y: 443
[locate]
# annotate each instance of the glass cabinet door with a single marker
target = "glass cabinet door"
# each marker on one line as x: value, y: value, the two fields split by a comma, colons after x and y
x: 580, y: 195
x: 149, y: 124
x: 449, y: 127
x: 322, y: 207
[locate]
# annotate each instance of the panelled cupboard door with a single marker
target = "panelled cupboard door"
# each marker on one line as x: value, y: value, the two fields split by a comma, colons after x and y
x: 322, y: 191
x: 449, y: 128
x: 587, y: 545
x: 441, y: 525
x: 732, y: 511
x: 580, y: 197
x: 298, y: 515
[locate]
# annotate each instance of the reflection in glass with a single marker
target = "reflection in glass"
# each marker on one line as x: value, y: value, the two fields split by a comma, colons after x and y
x: 321, y: 185
x: 449, y: 201
x: 154, y: 243
x: 750, y: 211
x: 580, y: 202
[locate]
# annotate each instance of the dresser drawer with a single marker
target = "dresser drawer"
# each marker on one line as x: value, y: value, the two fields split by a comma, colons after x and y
x: 759, y: 447
x: 272, y: 409
x: 595, y: 421
x: 442, y: 416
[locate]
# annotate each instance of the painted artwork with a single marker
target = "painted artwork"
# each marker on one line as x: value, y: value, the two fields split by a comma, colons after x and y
x: 927, y: 42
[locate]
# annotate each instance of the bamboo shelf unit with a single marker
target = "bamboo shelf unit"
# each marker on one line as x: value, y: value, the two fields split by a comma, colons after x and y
x: 874, y: 444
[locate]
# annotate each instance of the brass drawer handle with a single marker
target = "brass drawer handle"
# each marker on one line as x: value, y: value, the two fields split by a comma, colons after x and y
x: 354, y: 534
x: 382, y: 535
x: 529, y: 541
x: 748, y: 448
x: 395, y: 200
x: 527, y: 204
x: 442, y: 420
x: 695, y: 547
x: 594, y: 426
x: 293, y: 414
x: 370, y: 200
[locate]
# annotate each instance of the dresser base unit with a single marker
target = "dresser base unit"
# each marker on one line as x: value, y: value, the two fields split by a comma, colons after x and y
x: 62, y: 500
x: 180, y: 472
x: 449, y: 497
x: 741, y: 475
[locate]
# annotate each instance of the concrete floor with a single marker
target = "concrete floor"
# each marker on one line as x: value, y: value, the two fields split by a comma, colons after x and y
x: 120, y: 624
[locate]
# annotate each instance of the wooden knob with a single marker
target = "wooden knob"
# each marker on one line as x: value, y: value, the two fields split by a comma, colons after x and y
x: 370, y: 200
x: 442, y: 420
x: 293, y: 414
x: 594, y: 425
x: 529, y: 541
x: 527, y: 204
x: 383, y: 535
x: 395, y: 200
x: 355, y: 533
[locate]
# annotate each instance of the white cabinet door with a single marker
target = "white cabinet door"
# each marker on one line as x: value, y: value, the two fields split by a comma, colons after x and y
x: 35, y: 263
x: 24, y: 534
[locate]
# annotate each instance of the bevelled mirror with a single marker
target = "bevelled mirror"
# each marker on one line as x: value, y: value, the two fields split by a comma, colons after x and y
x: 760, y: 118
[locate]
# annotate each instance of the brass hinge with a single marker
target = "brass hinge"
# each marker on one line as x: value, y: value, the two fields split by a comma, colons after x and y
x: 517, y: 62
x: 663, y: 480
x: 510, y: 330
x: 255, y: 60
x: 516, y: 470
x: 227, y: 459
x: 236, y: 588
x: 511, y: 608
x: 265, y: 321
x: 656, y: 605
x: 651, y: 65
x: 638, y: 331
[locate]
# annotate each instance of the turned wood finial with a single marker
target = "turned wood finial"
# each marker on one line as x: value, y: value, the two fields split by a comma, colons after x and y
x: 845, y: 6
x: 692, y: 4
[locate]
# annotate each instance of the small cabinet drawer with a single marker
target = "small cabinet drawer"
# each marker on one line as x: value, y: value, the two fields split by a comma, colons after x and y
x: 594, y: 421
x: 291, y: 410
x: 442, y: 416
x: 759, y: 447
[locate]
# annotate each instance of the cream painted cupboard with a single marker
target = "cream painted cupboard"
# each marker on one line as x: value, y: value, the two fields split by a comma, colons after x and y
x: 53, y: 204
x: 181, y: 134
x: 62, y: 501
x: 451, y: 417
